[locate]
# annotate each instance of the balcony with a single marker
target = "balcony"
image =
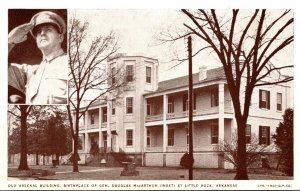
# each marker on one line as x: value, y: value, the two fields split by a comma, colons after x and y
x: 104, y: 125
x: 154, y: 149
x: 171, y: 149
x: 92, y: 126
x: 81, y: 126
x: 183, y: 114
x: 154, y: 117
x: 228, y: 110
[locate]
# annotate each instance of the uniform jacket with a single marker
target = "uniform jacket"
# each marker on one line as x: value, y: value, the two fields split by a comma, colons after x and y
x: 47, y: 83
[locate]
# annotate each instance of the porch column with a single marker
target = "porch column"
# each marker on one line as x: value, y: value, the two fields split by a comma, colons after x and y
x: 165, y: 126
x: 221, y: 112
x: 85, y: 134
x: 109, y: 137
x: 100, y: 126
x: 144, y: 147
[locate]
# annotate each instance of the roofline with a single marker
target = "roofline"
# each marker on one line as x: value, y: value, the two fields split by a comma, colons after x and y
x: 166, y: 90
x: 110, y: 59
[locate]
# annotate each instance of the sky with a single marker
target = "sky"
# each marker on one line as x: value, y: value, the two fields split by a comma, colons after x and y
x: 138, y: 29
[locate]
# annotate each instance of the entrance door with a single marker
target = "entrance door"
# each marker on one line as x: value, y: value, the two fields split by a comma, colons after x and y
x: 104, y: 138
x: 113, y: 143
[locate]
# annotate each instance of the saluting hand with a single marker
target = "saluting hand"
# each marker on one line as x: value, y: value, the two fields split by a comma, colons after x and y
x: 19, y: 34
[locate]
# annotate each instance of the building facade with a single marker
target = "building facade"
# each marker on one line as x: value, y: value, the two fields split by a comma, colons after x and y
x: 150, y: 118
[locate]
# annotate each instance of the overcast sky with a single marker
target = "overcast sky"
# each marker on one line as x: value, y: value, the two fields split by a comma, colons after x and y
x: 136, y: 30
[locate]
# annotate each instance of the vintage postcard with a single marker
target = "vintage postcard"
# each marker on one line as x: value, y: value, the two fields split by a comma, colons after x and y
x: 150, y: 99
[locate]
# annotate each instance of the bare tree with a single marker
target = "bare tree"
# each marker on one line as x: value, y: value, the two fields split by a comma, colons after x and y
x: 89, y: 74
x: 23, y: 111
x: 238, y: 60
x: 246, y: 43
x: 254, y: 150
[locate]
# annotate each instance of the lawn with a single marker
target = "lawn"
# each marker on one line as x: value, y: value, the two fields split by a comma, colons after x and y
x: 150, y: 173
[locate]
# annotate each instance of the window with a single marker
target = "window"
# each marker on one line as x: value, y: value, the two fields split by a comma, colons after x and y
x: 170, y: 105
x: 113, y: 107
x: 214, y: 94
x: 194, y: 101
x: 264, y: 99
x: 170, y: 137
x: 104, y: 115
x: 129, y: 105
x: 92, y: 118
x: 214, y: 133
x: 104, y: 135
x: 264, y: 135
x: 148, y: 108
x: 248, y: 134
x: 129, y: 73
x: 185, y: 102
x: 148, y: 138
x: 148, y: 74
x: 129, y: 137
x: 279, y: 101
x: 80, y: 142
x: 113, y: 75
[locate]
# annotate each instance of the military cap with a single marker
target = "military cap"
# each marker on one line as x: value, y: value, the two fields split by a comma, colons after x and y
x: 48, y: 17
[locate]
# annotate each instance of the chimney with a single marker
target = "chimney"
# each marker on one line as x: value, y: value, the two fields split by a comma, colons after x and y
x: 202, y: 73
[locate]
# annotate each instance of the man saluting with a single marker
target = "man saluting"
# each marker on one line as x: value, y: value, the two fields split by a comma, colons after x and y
x: 46, y: 83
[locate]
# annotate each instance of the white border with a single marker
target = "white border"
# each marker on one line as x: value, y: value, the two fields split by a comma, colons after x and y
x: 141, y: 4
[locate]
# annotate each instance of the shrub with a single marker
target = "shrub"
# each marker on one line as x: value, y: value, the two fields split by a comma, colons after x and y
x: 186, y: 161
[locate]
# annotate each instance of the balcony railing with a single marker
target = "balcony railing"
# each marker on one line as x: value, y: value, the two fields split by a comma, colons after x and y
x: 213, y: 110
x: 154, y: 149
x: 104, y: 125
x: 154, y: 117
x: 92, y: 126
x: 81, y: 126
x: 183, y: 114
x: 228, y: 110
x: 182, y: 148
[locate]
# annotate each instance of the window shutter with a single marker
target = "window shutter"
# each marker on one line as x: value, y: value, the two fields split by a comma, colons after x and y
x: 211, y: 98
x: 260, y: 135
x: 211, y: 135
x: 194, y: 101
x: 268, y: 135
x: 260, y: 97
x: 183, y: 103
x: 268, y: 99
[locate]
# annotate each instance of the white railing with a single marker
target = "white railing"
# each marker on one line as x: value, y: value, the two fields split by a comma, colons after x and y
x: 207, y: 111
x: 183, y: 148
x: 154, y: 117
x: 213, y: 110
x: 92, y: 126
x: 104, y: 125
x: 183, y: 114
x: 228, y: 109
x: 154, y: 149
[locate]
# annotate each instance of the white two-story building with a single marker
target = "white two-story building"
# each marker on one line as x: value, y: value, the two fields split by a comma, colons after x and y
x: 150, y: 118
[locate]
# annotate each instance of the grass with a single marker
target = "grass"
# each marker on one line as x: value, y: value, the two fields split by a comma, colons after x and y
x: 64, y: 172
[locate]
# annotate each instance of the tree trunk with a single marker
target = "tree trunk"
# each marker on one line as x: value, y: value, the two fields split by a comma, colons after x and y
x: 57, y: 159
x: 23, y: 158
x: 75, y: 154
x: 75, y: 148
x: 241, y: 171
x: 37, y: 158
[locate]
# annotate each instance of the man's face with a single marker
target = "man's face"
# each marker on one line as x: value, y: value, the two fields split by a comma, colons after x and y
x: 47, y: 37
